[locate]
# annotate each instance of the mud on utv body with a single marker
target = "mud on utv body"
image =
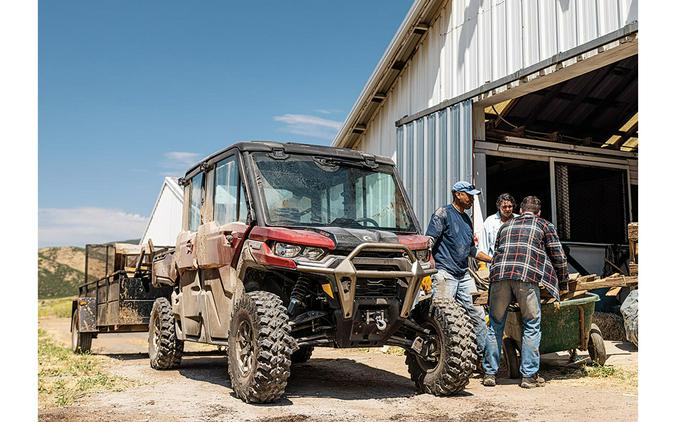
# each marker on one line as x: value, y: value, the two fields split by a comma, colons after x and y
x: 233, y: 286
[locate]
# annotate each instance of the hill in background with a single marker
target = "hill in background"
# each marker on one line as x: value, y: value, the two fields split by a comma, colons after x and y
x: 60, y: 271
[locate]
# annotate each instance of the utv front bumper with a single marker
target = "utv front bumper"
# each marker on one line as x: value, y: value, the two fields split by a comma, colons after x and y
x: 362, y: 263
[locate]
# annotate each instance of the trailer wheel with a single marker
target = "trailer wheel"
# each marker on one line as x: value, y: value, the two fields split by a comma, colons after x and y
x: 79, y: 342
x: 596, y: 346
x: 164, y: 349
x: 260, y: 348
x: 511, y: 357
x: 302, y: 355
x: 451, y: 358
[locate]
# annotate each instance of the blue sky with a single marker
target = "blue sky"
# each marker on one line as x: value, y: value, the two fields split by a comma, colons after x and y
x: 131, y: 91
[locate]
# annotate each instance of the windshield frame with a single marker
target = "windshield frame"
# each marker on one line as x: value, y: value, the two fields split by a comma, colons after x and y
x: 261, y: 203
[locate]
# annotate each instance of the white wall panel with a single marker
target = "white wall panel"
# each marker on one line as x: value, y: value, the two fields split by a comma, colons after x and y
x: 476, y: 41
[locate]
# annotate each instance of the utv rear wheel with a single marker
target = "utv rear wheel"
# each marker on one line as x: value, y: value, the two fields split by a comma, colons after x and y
x: 260, y: 348
x: 450, y: 360
x: 79, y: 342
x: 302, y: 355
x: 164, y: 349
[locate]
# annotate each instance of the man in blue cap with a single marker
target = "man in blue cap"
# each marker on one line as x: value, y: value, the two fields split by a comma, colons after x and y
x: 453, y: 241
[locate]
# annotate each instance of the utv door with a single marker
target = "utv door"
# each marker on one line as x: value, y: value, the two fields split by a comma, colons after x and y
x: 189, y: 298
x: 218, y: 242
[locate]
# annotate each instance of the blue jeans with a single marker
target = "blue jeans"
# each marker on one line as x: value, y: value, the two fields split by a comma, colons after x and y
x: 527, y: 295
x: 445, y: 285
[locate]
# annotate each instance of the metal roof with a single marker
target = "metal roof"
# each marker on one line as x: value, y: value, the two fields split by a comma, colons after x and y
x: 400, y: 50
x: 589, y: 109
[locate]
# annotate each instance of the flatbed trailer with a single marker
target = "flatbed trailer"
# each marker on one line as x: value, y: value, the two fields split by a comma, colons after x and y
x: 116, y: 296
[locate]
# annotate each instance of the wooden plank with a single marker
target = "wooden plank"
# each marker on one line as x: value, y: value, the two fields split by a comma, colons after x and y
x: 614, y: 291
x: 613, y: 281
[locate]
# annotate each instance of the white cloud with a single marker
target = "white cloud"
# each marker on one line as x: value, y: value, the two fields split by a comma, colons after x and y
x: 181, y: 158
x: 310, y: 126
x: 78, y: 226
x: 327, y: 111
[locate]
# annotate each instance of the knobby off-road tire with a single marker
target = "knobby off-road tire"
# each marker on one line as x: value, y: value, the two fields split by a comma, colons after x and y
x: 79, y: 342
x: 260, y: 348
x: 456, y: 343
x: 302, y: 355
x: 164, y: 349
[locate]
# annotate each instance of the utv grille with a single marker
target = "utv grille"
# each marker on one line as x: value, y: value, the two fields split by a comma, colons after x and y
x: 368, y: 287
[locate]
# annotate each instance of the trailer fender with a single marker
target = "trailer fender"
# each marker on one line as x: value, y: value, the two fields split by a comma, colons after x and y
x: 86, y: 311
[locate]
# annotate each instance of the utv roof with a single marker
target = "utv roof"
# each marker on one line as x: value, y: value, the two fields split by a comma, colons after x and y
x: 288, y: 148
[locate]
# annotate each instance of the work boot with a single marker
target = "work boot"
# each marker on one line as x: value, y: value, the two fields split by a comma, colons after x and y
x: 489, y: 380
x: 534, y: 381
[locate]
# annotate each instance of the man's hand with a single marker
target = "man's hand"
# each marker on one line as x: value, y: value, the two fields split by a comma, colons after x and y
x: 482, y: 256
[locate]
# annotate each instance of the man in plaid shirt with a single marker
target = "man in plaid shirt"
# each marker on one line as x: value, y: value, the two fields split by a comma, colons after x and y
x: 527, y: 253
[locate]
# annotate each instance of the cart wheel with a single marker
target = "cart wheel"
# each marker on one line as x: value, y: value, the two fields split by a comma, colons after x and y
x: 573, y: 355
x: 596, y: 346
x: 512, y: 358
x: 79, y: 342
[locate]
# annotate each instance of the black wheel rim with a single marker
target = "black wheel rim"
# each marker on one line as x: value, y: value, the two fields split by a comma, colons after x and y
x: 154, y: 338
x: 244, y: 347
x: 430, y: 363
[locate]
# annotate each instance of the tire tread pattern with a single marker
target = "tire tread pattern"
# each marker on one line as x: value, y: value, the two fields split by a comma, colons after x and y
x: 459, y: 349
x: 275, y: 345
x: 170, y: 351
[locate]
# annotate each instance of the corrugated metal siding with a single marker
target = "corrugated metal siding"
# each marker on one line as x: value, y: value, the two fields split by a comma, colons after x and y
x: 477, y: 41
x: 442, y: 141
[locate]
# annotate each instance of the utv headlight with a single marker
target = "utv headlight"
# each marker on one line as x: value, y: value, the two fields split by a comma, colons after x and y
x: 312, y: 253
x: 422, y: 255
x: 287, y: 251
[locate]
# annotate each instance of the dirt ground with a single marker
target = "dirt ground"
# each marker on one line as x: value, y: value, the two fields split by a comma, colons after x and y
x: 337, y: 385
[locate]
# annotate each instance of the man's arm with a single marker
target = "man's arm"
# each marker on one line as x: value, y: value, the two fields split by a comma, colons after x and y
x: 436, y: 224
x: 482, y: 256
x: 555, y: 251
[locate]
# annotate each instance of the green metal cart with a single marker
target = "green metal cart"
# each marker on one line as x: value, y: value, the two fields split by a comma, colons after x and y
x: 565, y: 326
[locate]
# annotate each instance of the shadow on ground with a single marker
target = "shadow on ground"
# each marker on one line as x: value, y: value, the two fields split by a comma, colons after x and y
x: 343, y: 379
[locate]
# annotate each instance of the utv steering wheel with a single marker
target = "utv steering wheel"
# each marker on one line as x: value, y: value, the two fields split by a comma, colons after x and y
x: 367, y: 220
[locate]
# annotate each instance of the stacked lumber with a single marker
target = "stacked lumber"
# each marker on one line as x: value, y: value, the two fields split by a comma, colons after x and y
x: 576, y: 286
x: 633, y: 248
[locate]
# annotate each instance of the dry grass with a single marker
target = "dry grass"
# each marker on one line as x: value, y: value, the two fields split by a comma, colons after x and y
x: 64, y: 376
x: 59, y: 308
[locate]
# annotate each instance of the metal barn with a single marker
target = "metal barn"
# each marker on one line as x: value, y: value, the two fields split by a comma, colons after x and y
x: 521, y: 96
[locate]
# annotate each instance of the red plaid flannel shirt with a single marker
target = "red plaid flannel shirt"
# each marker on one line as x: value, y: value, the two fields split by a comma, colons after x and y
x: 527, y: 249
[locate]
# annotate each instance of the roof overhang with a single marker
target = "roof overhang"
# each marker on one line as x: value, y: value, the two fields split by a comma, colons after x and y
x: 400, y: 50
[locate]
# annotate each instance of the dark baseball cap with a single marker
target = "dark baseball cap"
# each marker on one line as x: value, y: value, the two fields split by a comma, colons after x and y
x: 467, y: 187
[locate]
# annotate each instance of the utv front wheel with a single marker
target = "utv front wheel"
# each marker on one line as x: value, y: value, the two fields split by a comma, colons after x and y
x: 260, y: 348
x: 164, y: 349
x: 449, y: 361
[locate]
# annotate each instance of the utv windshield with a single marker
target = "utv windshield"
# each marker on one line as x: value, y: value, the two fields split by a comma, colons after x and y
x: 321, y: 191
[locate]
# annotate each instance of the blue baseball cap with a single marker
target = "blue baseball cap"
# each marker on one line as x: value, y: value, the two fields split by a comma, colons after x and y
x: 467, y: 187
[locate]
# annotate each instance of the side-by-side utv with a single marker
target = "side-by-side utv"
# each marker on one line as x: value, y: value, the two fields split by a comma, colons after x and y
x: 286, y: 247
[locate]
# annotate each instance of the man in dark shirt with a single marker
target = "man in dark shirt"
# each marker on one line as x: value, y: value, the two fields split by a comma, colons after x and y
x: 527, y: 253
x: 452, y: 233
